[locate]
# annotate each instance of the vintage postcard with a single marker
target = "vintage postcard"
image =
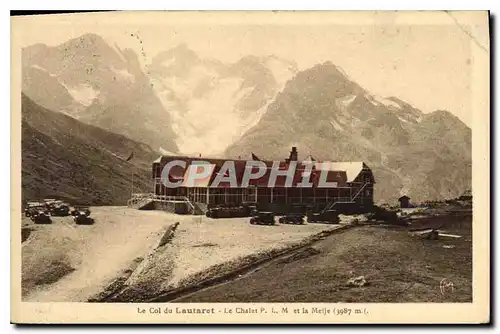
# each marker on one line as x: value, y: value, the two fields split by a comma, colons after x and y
x: 251, y: 167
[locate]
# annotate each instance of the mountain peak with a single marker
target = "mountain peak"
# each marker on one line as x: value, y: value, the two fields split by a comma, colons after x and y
x: 90, y: 43
x: 181, y: 55
x: 182, y: 47
x: 87, y: 40
x: 183, y: 50
x: 325, y: 79
x: 327, y: 70
x: 444, y: 117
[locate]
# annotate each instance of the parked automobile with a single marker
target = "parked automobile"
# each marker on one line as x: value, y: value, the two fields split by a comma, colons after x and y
x: 263, y: 218
x: 228, y: 212
x: 325, y: 217
x: 82, y: 217
x: 41, y: 217
x: 32, y: 207
x: 295, y: 215
x: 61, y: 210
x: 78, y: 209
x: 292, y: 218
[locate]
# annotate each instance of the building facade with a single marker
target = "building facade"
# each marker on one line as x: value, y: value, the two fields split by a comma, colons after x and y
x: 350, y: 184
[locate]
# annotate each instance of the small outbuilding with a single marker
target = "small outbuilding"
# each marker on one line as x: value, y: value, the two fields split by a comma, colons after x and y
x: 404, y: 201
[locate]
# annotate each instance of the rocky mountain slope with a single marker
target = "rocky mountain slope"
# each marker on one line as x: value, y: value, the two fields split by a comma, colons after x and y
x: 100, y: 85
x: 65, y: 158
x: 179, y: 101
x: 326, y: 114
x: 212, y: 103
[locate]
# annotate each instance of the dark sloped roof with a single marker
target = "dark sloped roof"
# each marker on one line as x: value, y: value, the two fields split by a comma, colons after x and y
x: 340, y: 172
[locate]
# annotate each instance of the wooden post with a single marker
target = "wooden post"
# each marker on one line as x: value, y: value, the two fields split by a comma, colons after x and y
x: 208, y: 195
x: 132, y: 185
x: 271, y: 195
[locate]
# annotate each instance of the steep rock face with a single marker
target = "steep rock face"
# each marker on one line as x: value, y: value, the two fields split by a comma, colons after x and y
x: 326, y: 114
x: 100, y: 85
x: 84, y: 164
x: 212, y: 104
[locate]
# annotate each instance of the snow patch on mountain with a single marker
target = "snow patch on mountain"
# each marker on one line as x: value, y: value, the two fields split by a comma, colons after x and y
x: 208, y: 123
x: 38, y: 67
x: 123, y: 74
x: 345, y: 101
x: 184, y: 87
x: 169, y: 61
x: 386, y: 102
x: 83, y: 94
x: 118, y: 51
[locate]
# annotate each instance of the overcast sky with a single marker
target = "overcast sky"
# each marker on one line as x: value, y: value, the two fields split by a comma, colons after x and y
x: 427, y: 65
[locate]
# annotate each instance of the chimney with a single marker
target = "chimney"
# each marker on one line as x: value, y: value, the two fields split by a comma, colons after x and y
x: 293, y: 154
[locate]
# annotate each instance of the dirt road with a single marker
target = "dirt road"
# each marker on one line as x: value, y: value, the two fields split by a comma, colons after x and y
x: 88, y: 257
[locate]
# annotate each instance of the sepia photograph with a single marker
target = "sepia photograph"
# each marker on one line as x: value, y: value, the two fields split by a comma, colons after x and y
x: 214, y: 164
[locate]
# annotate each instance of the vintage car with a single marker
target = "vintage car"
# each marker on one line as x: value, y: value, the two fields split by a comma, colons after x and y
x: 263, y: 218
x: 82, y: 217
x: 32, y: 208
x: 41, y: 217
x: 325, y: 217
x: 292, y: 218
x: 228, y: 211
x: 78, y: 209
x: 60, y: 209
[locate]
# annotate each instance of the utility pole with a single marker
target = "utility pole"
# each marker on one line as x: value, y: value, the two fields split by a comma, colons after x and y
x: 132, y: 183
x: 132, y: 179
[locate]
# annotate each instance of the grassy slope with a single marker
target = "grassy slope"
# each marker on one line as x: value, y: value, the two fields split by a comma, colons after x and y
x: 85, y: 164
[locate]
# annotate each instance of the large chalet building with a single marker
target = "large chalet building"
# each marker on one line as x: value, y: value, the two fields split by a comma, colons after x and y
x: 350, y: 184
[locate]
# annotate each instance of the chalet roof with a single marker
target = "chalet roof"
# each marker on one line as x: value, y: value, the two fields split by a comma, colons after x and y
x: 403, y: 197
x: 340, y: 172
x: 352, y: 169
